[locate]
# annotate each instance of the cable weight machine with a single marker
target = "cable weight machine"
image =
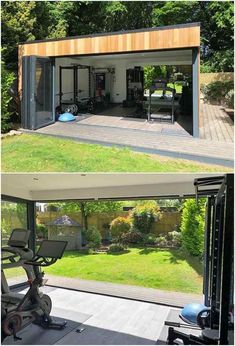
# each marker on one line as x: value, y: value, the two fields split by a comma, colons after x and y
x: 217, y: 324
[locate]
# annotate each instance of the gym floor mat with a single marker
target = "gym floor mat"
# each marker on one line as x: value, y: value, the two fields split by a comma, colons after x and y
x: 173, y: 316
x: 36, y: 335
x: 100, y: 336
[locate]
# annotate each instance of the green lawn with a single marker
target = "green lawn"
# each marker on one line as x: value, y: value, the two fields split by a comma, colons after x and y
x: 177, y: 87
x: 169, y: 270
x: 38, y: 153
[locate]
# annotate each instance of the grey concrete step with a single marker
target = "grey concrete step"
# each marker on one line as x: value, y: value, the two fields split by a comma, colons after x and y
x: 151, y: 295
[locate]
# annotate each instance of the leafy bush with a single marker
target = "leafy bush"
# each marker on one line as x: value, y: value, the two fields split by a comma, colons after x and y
x: 192, y: 226
x: 161, y: 241
x: 153, y: 72
x: 203, y: 89
x: 42, y: 231
x: 150, y: 239
x: 174, y: 238
x: 93, y: 238
x: 144, y: 216
x: 52, y: 207
x: 120, y: 226
x: 206, y: 68
x: 132, y: 237
x: 229, y: 99
x: 216, y: 91
x: 7, y: 80
x: 116, y: 248
x: 222, y: 60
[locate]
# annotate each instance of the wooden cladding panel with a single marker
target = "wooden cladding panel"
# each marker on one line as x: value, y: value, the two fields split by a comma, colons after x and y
x: 151, y: 40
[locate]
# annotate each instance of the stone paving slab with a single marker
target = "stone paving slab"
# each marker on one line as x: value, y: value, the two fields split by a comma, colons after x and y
x: 196, y: 149
x: 176, y: 299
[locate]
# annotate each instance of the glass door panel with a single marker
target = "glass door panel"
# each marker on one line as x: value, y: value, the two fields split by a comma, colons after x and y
x: 13, y: 215
x: 43, y: 92
x: 37, y: 92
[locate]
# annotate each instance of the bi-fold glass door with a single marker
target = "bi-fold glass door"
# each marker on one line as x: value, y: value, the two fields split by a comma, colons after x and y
x: 13, y: 215
x: 37, y: 92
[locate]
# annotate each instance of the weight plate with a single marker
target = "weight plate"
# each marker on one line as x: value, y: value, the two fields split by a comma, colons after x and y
x: 13, y: 318
x: 47, y: 304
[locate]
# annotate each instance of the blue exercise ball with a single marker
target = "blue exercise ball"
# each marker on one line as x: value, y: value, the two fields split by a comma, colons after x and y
x: 190, y: 312
x: 66, y: 117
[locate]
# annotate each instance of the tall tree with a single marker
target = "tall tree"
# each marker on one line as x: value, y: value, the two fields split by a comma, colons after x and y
x: 28, y: 20
x: 216, y: 18
x: 217, y: 34
x: 21, y: 21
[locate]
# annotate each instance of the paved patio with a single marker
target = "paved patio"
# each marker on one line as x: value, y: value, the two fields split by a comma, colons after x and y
x: 151, y: 295
x: 153, y: 142
x: 216, y: 124
x: 215, y: 145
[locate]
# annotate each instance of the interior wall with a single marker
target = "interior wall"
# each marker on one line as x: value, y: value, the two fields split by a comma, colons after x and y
x: 119, y: 82
x: 116, y: 83
x: 67, y: 76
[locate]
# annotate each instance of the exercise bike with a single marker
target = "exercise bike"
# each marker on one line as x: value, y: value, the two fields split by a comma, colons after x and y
x: 18, y: 310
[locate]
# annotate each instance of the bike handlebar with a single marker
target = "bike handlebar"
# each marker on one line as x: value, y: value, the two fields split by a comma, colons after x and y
x: 42, y: 261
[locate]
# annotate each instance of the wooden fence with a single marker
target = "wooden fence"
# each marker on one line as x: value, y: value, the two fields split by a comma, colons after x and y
x: 206, y: 78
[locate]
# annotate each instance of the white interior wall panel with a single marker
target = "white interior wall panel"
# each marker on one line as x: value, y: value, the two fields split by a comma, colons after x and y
x: 120, y: 63
x: 119, y: 82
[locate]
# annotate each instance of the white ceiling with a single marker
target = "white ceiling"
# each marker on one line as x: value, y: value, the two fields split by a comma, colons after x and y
x: 46, y: 186
x: 172, y: 57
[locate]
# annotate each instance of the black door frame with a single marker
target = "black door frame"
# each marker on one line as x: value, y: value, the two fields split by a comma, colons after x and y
x: 28, y: 104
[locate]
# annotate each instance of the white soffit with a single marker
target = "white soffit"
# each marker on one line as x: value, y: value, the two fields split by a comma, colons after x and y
x: 45, y: 187
x: 172, y: 57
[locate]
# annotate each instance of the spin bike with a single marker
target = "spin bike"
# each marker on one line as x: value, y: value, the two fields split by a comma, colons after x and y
x: 18, y: 310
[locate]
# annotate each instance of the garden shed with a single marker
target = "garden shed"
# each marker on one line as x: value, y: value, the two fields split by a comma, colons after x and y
x: 65, y: 228
x: 109, y: 69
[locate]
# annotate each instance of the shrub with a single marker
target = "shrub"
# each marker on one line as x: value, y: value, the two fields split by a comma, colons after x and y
x: 153, y: 72
x: 229, y: 99
x: 150, y: 239
x: 132, y: 237
x: 7, y: 80
x: 203, y: 88
x: 144, y: 216
x: 93, y: 237
x: 192, y: 226
x: 42, y: 231
x: 216, y: 91
x: 52, y: 207
x: 120, y: 226
x: 174, y: 238
x: 116, y: 248
x: 161, y: 241
x: 206, y: 68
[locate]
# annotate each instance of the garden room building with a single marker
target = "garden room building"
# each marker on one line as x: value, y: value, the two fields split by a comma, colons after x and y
x: 111, y: 70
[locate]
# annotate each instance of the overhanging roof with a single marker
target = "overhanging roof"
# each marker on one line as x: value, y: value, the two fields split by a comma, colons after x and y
x: 172, y: 57
x: 49, y: 187
x: 158, y: 38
